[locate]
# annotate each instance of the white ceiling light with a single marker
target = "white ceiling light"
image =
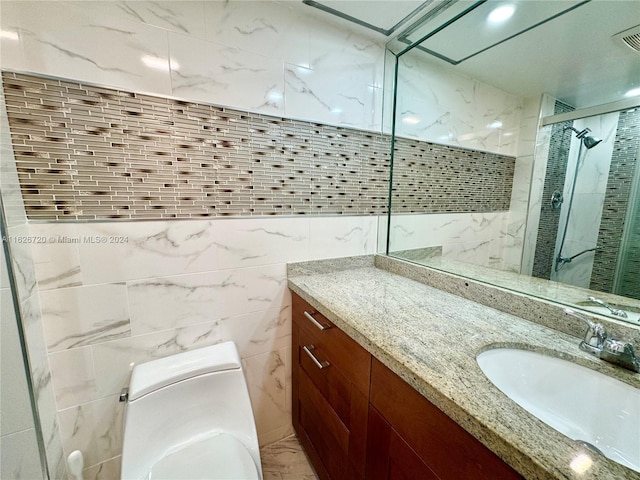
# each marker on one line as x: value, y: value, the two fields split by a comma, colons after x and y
x: 501, y: 14
x: 634, y: 92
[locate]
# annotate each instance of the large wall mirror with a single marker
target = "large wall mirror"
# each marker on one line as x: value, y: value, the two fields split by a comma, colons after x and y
x: 516, y: 144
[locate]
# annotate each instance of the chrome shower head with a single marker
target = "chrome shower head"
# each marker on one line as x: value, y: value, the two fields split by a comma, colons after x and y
x: 590, y: 142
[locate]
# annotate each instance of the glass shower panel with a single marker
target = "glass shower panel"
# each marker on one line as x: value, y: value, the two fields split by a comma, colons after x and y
x: 19, y: 450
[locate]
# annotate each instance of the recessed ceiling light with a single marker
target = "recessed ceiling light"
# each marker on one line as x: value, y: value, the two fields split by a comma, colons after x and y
x: 634, y: 92
x: 501, y: 14
x: 495, y: 124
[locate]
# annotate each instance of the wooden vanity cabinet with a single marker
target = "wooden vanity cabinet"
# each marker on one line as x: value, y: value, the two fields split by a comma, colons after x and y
x: 410, y: 438
x: 330, y: 397
x: 357, y: 419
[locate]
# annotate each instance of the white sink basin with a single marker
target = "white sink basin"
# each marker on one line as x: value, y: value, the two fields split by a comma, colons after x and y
x: 580, y: 403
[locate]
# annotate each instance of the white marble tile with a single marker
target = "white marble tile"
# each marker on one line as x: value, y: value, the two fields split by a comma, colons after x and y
x: 94, y: 428
x: 73, y: 377
x: 225, y: 75
x: 22, y: 261
x: 331, y: 94
x: 150, y: 249
x: 437, y: 104
x: 55, y: 255
x: 250, y: 242
x: 107, y: 470
x: 266, y: 378
x: 178, y: 301
x: 93, y: 47
x: 15, y: 414
x: 332, y: 237
x: 113, y: 361
x: 266, y: 287
x: 265, y: 28
x: 258, y: 332
x: 79, y: 316
x: 19, y: 457
x: 11, y: 42
x: 185, y: 17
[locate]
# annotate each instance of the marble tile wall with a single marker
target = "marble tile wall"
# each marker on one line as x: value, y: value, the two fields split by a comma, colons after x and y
x: 436, y: 103
x: 164, y: 287
x: 476, y: 238
x: 278, y: 58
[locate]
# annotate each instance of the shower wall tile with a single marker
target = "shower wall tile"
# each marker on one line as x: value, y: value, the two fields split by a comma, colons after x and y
x: 79, y: 316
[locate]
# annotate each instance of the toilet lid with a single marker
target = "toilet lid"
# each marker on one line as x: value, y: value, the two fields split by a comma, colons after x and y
x: 221, y: 456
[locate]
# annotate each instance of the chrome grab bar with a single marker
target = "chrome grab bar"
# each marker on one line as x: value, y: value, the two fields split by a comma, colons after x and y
x: 309, y: 350
x: 316, y: 322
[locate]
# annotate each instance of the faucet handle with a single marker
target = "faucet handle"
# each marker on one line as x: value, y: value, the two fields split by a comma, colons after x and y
x: 595, y: 335
x: 620, y: 353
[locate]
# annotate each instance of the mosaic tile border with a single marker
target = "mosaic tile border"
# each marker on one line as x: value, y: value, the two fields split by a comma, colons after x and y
x: 92, y: 153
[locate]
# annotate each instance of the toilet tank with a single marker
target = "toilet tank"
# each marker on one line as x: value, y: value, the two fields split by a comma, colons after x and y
x: 182, y: 398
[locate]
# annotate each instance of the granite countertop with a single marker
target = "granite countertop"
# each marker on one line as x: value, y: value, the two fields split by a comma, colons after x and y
x: 431, y: 338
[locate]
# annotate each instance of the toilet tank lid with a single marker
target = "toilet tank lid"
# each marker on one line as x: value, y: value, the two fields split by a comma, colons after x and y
x: 150, y: 376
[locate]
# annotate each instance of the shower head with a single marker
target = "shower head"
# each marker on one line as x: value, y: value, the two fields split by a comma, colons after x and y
x: 590, y: 142
x: 587, y: 140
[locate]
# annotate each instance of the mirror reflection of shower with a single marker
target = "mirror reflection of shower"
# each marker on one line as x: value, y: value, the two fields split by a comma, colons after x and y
x: 589, y: 142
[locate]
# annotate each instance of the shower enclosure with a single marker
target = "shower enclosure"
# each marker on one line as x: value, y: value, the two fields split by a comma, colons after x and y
x: 589, y: 215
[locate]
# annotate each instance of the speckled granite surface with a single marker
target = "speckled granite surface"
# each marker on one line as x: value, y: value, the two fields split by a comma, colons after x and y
x: 431, y: 338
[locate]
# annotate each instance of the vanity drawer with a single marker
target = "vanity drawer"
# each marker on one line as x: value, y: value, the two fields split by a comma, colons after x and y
x: 332, y: 345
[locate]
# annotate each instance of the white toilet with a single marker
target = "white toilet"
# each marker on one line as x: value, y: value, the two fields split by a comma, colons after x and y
x: 188, y: 416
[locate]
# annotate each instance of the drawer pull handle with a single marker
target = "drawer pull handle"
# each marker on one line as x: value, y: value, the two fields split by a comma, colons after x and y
x: 316, y: 322
x: 309, y: 350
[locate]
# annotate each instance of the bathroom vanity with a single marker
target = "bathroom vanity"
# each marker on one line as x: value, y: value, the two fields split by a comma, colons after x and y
x: 386, y: 383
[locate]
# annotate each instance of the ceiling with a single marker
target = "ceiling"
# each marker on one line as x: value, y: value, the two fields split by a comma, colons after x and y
x: 572, y: 57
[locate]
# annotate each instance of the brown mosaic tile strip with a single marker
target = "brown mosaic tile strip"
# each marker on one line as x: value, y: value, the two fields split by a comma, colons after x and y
x: 91, y: 153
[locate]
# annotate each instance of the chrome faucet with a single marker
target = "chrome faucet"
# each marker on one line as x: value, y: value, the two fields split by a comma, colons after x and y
x: 614, y: 311
x: 596, y: 342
